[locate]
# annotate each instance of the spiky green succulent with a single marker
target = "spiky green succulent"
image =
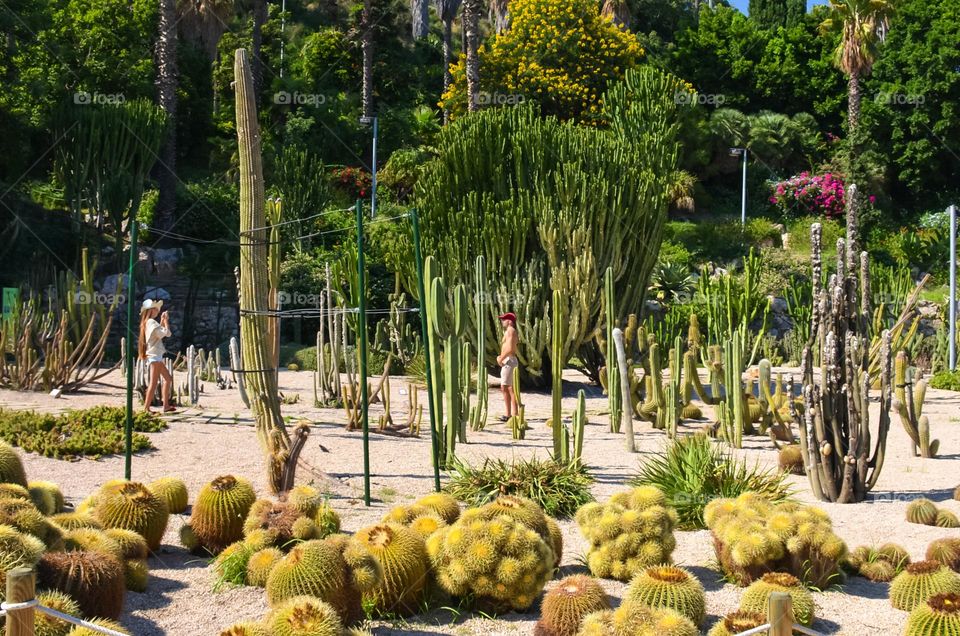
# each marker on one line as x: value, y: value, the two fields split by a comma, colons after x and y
x: 755, y: 597
x: 403, y: 558
x: 945, y: 550
x: 136, y: 574
x: 445, y: 506
x: 304, y: 616
x: 878, y: 564
x: 24, y: 516
x: 74, y: 520
x: 736, y: 623
x: 173, y: 491
x: 556, y: 539
x: 790, y: 459
x: 277, y: 520
x: 14, y: 491
x: 499, y: 560
x: 46, y: 496
x: 919, y: 582
x: 671, y: 587
x: 100, y: 622
x: 305, y: 499
x: 93, y: 541
x: 426, y: 524
x: 11, y: 468
x: 47, y: 625
x: 946, y: 519
x: 327, y: 520
x: 95, y: 580
x: 937, y: 616
x: 133, y: 507
x: 567, y: 603
x: 922, y: 511
x: 219, y: 512
x: 246, y: 628
x: 18, y: 549
x: 637, y: 620
x: 895, y: 554
x: 317, y: 568
x: 260, y: 564
x: 132, y: 544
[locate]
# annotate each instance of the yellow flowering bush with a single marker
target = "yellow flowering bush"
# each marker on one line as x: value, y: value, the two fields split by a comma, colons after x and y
x: 561, y: 54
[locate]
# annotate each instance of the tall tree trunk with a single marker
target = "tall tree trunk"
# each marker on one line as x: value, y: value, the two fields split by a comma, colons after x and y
x: 366, y: 44
x: 420, y: 18
x: 471, y: 37
x: 447, y: 58
x: 853, y: 100
x: 259, y: 19
x: 167, y: 78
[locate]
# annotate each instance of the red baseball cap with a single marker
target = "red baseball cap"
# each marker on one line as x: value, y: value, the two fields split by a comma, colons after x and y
x: 509, y: 316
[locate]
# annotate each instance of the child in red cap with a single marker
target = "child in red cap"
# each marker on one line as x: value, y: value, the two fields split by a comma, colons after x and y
x: 508, y: 362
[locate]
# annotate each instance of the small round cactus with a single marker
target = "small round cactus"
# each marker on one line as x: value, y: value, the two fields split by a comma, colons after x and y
x: 15, y: 491
x: 790, y: 459
x: 11, y: 468
x: 878, y: 564
x: 133, y: 507
x: 46, y: 625
x: 305, y: 499
x: 938, y: 616
x: 93, y: 541
x: 946, y: 519
x: 46, y: 496
x: 261, y: 564
x: 442, y: 504
x: 403, y: 558
x: 919, y: 582
x: 556, y: 539
x: 427, y: 524
x: 277, y: 520
x: 173, y: 491
x: 922, y: 511
x: 737, y: 622
x: 566, y: 604
x: 246, y: 628
x: 74, y: 520
x: 946, y: 551
x: 136, y: 575
x: 895, y: 554
x: 754, y: 598
x: 18, y: 549
x: 132, y: 545
x: 671, y: 587
x: 304, y: 616
x: 219, y: 512
x: 99, y: 622
x: 95, y: 580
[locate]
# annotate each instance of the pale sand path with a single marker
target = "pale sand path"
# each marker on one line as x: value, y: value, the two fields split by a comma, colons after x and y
x: 218, y: 438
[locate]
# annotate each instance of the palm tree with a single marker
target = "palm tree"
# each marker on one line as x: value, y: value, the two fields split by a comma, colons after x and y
x: 859, y: 23
x: 499, y: 15
x: 447, y: 10
x: 167, y: 98
x: 204, y: 22
x: 259, y: 9
x: 420, y: 18
x: 366, y: 46
x: 618, y: 11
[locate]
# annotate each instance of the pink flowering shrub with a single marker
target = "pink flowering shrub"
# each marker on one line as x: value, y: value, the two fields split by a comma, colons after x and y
x: 816, y: 194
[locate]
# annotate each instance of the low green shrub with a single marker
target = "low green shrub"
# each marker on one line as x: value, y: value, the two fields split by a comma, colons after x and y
x: 560, y: 489
x: 947, y: 380
x: 82, y: 433
x: 693, y: 471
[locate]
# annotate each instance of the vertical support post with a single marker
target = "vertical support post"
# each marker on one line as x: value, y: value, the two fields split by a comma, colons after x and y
x: 780, y: 614
x: 953, y: 287
x: 373, y: 179
x: 21, y: 587
x: 743, y: 195
x: 132, y: 345
x: 362, y: 336
x: 425, y: 331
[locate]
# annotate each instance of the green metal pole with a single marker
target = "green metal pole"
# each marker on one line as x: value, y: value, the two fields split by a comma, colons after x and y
x: 362, y: 332
x: 425, y: 330
x: 132, y: 344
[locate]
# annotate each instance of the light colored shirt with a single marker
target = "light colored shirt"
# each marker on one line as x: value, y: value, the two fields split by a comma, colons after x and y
x: 155, y: 335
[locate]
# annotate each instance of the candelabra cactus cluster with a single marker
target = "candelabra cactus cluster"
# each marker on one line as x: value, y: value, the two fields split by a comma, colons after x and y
x: 631, y: 531
x: 843, y: 457
x: 753, y: 536
x: 910, y: 389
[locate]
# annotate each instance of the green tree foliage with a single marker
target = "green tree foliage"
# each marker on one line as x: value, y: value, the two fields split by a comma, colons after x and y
x: 912, y: 105
x: 770, y: 14
x: 551, y: 206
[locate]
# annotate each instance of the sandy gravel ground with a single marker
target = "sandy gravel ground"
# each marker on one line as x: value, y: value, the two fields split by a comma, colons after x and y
x: 217, y: 437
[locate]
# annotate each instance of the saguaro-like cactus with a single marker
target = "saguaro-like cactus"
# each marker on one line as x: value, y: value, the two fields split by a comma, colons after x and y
x: 732, y: 411
x: 842, y: 457
x: 623, y: 373
x: 478, y: 414
x: 556, y: 372
x: 256, y: 337
x: 614, y: 396
x: 908, y: 402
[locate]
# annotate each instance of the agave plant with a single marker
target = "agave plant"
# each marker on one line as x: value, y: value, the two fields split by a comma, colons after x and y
x: 671, y: 282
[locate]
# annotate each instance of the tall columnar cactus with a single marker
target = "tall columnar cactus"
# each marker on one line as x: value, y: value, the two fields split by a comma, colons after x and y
x: 908, y: 402
x: 518, y: 422
x: 478, y: 414
x: 613, y: 380
x: 775, y: 416
x: 448, y: 324
x: 842, y: 456
x: 257, y: 338
x: 556, y: 372
x: 623, y: 373
x: 732, y: 410
x: 574, y: 435
x: 431, y: 271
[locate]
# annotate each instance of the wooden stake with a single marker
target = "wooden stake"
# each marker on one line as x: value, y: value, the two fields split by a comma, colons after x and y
x: 21, y: 587
x: 780, y: 614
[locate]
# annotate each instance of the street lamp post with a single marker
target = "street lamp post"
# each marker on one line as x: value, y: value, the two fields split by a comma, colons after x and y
x: 737, y: 152
x: 366, y: 121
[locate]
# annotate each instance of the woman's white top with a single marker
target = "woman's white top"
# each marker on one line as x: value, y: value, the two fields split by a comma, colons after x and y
x: 155, y: 335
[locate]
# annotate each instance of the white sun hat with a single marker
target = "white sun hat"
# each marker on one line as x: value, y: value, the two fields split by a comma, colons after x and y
x: 149, y: 303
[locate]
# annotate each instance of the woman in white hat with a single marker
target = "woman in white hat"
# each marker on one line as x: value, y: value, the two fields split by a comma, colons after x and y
x: 152, y: 333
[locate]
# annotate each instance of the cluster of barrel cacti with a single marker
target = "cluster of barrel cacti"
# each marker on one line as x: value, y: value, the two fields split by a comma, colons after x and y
x: 878, y: 564
x: 629, y: 532
x: 753, y: 536
x: 925, y: 512
x: 920, y: 581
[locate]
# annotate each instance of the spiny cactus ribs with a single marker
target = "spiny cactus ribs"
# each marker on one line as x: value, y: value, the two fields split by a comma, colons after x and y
x: 938, y: 616
x: 755, y: 597
x: 132, y: 506
x: 219, y: 512
x: 566, y: 604
x: 919, y: 582
x: 736, y: 623
x: 403, y: 557
x: 671, y: 587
